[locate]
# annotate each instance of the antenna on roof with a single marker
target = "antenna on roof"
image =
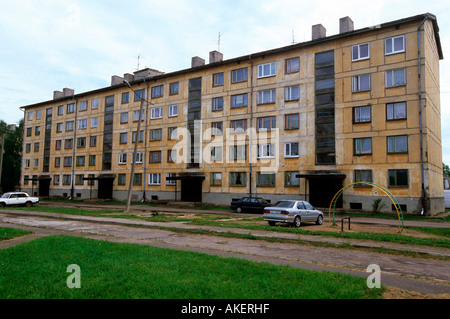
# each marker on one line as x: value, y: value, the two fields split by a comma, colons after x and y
x: 218, y: 41
x: 293, y: 36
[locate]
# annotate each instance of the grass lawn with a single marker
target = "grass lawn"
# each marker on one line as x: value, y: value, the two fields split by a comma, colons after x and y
x: 9, y: 233
x: 38, y: 269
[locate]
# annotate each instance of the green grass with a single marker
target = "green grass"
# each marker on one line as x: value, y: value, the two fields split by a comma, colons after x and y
x: 9, y: 233
x: 38, y: 269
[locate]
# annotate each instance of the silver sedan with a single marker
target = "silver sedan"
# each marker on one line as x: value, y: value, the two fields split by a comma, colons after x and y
x: 294, y: 212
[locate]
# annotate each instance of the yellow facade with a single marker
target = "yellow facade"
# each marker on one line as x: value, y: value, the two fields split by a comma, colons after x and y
x: 394, y: 118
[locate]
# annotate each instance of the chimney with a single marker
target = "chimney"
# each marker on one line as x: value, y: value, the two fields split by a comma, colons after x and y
x: 116, y: 80
x: 197, y: 61
x: 68, y: 92
x: 318, y: 32
x: 57, y: 95
x: 345, y: 25
x: 215, y: 56
x: 146, y: 73
x: 129, y: 77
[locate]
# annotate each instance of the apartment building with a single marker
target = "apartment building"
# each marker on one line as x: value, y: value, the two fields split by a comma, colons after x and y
x: 301, y: 121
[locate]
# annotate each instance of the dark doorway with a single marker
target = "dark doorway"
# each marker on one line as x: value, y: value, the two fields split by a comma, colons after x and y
x: 105, y: 187
x: 44, y: 186
x: 323, y: 187
x: 191, y: 190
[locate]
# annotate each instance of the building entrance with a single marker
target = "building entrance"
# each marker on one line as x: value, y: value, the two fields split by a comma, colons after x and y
x: 323, y: 187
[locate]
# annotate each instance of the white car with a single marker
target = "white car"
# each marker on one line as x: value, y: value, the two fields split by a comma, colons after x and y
x: 294, y: 212
x: 17, y: 198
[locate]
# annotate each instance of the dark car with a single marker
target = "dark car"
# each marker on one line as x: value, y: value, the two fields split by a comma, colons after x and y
x: 250, y: 205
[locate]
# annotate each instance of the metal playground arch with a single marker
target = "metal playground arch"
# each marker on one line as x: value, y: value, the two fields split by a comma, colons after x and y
x: 391, y: 197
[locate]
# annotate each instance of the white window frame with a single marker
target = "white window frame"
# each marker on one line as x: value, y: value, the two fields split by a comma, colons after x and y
x: 122, y: 158
x: 391, y: 111
x: 392, y: 41
x: 288, y: 150
x: 358, y: 48
x: 94, y: 104
x: 289, y: 93
x: 154, y: 179
x: 82, y: 106
x: 139, y: 158
x: 156, y: 113
x: 82, y: 124
x: 173, y: 110
x: 264, y: 149
x: 267, y: 69
x: 267, y: 96
x: 390, y: 77
x: 216, y: 153
x: 94, y: 122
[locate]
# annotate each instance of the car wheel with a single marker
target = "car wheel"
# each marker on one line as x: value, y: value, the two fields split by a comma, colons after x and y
x: 27, y: 204
x: 2, y: 204
x: 319, y: 220
x: 271, y: 223
x: 238, y: 210
x: 297, y: 221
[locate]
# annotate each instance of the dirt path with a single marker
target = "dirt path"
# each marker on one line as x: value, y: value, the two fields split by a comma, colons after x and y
x: 397, y: 271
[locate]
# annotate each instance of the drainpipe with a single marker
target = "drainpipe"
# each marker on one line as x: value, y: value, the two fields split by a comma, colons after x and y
x: 423, y: 195
x: 251, y: 124
x: 145, y: 141
x: 74, y: 145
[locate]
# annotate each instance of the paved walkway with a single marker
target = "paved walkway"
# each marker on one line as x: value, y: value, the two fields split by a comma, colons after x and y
x: 398, y: 271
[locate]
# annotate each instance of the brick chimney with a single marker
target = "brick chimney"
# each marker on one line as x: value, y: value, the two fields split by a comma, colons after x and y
x: 345, y: 25
x: 318, y: 32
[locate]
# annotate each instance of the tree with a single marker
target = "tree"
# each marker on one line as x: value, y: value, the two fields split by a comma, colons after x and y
x: 446, y: 170
x: 12, y: 155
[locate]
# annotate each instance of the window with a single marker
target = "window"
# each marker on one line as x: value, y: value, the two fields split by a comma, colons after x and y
x: 27, y: 163
x: 156, y: 135
x: 292, y: 93
x: 69, y: 126
x: 171, y: 156
x: 239, y: 100
x: 171, y: 182
x: 363, y: 176
x: 67, y: 179
x: 94, y: 122
x: 217, y: 104
x: 362, y: 114
x: 173, y: 135
x: 265, y: 179
x: 157, y: 91
x: 238, y: 152
x: 94, y: 104
x: 216, y: 153
x: 291, y: 121
x: 68, y: 161
x: 60, y: 110
x: 291, y: 179
x: 239, y: 75
x: 139, y: 95
x: 123, y: 138
x: 93, y: 141
x: 70, y: 108
x: 398, y: 178
x: 82, y: 124
x: 36, y: 147
x: 394, y: 45
x: 266, y: 69
x: 216, y: 179
x: 155, y: 157
x: 82, y: 106
x: 395, y: 78
x: 156, y: 113
x: 122, y: 158
x: 173, y: 88
x: 137, y: 179
x: 37, y: 130
x: 173, y: 110
x: 238, y: 126
x: 154, y: 179
x: 397, y: 144
x: 80, y: 160
x: 362, y: 146
x: 139, y: 157
x: 81, y: 142
x: 122, y: 179
x: 291, y: 149
x: 266, y: 123
x: 218, y: 79
x: 123, y: 117
x: 68, y: 144
x: 91, y: 160
x: 361, y: 83
x: 238, y: 179
x: 141, y: 137
x: 396, y: 111
x: 38, y: 114
x: 28, y: 148
x: 217, y: 128
x: 36, y: 163
x: 56, y: 180
x: 30, y: 116
x: 125, y: 97
x: 360, y: 52
x: 292, y: 65
x: 266, y: 151
x: 29, y: 131
x: 136, y: 115
x: 57, y: 144
x: 267, y: 96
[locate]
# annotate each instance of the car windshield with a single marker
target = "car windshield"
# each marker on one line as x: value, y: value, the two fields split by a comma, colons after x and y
x: 5, y: 195
x: 285, y: 204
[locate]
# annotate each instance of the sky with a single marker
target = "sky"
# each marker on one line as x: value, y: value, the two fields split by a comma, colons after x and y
x: 48, y: 45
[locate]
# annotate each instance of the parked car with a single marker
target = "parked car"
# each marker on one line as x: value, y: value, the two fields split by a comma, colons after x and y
x: 17, y: 198
x: 294, y: 212
x: 250, y: 205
